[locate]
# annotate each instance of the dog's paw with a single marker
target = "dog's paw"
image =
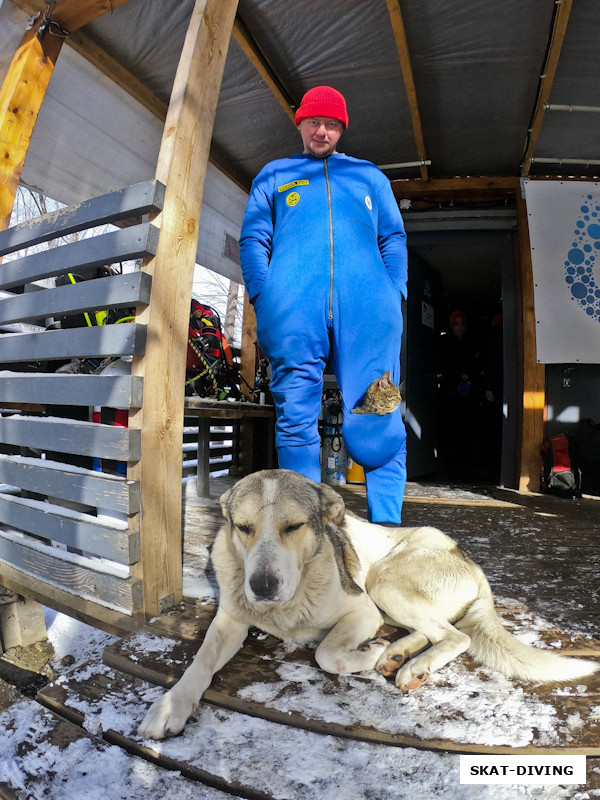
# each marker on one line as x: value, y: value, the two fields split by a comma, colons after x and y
x: 366, y: 655
x: 389, y: 665
x: 413, y: 682
x: 401, y: 651
x: 371, y: 644
x: 167, y: 716
x: 344, y: 662
x: 411, y: 676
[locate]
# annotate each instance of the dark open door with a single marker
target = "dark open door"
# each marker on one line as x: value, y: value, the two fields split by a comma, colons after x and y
x: 470, y: 270
x: 420, y: 367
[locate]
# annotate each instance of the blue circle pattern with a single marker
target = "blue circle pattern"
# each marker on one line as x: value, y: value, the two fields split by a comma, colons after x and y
x: 579, y: 266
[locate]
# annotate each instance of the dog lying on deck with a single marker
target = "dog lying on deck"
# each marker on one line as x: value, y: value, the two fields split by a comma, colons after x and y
x: 291, y: 562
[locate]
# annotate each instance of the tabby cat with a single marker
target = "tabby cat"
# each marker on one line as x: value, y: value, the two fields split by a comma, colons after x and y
x: 382, y: 397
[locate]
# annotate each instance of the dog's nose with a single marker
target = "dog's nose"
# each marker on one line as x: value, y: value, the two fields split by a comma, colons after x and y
x: 264, y: 585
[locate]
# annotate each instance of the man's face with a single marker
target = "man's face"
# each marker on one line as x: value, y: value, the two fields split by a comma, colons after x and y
x: 459, y: 328
x: 320, y: 135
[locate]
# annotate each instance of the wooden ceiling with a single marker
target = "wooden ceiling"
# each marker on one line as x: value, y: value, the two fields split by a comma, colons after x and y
x: 286, y: 96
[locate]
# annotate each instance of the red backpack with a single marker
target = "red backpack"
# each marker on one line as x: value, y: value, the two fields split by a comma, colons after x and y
x: 560, y: 468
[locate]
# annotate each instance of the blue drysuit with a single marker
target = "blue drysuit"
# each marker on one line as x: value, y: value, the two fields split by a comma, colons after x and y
x: 323, y: 254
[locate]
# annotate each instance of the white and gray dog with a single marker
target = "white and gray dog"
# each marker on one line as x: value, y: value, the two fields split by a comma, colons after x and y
x: 292, y: 563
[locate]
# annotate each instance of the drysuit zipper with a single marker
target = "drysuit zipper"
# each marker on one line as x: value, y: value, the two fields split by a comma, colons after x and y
x: 330, y: 240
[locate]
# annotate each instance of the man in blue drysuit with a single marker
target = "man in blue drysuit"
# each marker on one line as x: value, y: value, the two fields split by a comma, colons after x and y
x: 323, y: 254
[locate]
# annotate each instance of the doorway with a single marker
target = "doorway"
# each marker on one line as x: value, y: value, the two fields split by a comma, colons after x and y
x: 461, y: 430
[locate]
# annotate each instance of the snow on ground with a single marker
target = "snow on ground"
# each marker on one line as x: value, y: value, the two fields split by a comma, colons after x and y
x: 286, y: 762
x: 69, y: 637
x: 34, y: 767
x: 281, y: 761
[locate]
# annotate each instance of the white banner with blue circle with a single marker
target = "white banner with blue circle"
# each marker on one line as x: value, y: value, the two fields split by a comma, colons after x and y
x: 564, y: 232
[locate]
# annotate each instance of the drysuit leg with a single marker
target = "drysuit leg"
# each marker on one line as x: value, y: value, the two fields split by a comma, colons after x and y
x: 296, y: 429
x: 385, y: 489
x: 376, y: 442
x: 296, y: 343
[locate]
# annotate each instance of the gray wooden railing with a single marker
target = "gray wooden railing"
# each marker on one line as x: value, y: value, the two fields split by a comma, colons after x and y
x: 68, y: 532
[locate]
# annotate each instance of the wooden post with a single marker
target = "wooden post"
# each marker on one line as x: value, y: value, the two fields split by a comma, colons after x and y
x: 25, y: 85
x: 20, y: 100
x: 248, y: 373
x: 181, y: 166
x: 534, y: 374
x: 248, y: 352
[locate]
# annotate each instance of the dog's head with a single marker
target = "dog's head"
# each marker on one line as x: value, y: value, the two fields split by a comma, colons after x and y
x: 275, y: 522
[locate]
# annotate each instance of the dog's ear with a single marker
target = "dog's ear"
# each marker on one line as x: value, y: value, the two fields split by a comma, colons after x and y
x: 332, y: 505
x: 224, y: 500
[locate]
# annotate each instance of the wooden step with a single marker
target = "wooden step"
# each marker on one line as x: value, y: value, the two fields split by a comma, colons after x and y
x: 464, y: 708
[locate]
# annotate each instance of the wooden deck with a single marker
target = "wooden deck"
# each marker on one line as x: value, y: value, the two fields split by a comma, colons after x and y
x: 542, y: 560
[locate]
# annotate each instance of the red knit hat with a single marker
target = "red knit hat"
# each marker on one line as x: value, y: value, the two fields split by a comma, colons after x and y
x: 458, y: 318
x: 323, y: 101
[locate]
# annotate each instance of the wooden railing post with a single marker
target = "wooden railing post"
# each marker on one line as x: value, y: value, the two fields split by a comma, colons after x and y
x: 181, y: 166
x: 533, y: 374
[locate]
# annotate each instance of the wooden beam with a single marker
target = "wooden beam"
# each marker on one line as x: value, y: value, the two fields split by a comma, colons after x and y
x: 426, y: 188
x: 533, y: 397
x: 61, y: 345
x: 135, y: 242
x: 88, y: 48
x: 409, y: 82
x: 54, y: 479
x: 26, y: 82
x: 21, y: 96
x: 262, y: 66
x: 83, y: 44
x: 559, y: 29
x: 181, y: 167
x: 74, y: 14
x: 67, y: 602
x: 128, y: 203
x: 84, y: 580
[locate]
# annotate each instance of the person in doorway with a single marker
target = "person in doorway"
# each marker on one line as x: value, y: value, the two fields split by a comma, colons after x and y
x: 323, y: 254
x: 459, y: 387
x: 493, y: 375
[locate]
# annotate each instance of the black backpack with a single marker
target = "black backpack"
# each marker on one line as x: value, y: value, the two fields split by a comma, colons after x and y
x: 561, y: 474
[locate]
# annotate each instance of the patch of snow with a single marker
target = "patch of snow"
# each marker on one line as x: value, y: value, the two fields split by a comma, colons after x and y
x: 69, y: 637
x: 455, y: 704
x: 34, y: 766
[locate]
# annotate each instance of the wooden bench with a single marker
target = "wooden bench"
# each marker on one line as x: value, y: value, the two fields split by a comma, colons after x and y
x: 213, y: 411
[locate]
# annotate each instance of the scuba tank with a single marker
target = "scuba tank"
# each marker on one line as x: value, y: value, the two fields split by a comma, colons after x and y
x: 333, y: 451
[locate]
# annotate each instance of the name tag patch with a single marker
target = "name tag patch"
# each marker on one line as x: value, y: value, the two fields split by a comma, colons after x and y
x: 291, y: 185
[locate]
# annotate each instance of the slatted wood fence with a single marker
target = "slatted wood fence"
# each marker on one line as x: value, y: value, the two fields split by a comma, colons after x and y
x: 68, y: 530
x: 222, y: 441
